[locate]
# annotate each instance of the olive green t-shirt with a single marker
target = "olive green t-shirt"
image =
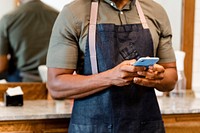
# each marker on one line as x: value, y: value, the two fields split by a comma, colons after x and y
x: 70, y: 30
x: 25, y: 34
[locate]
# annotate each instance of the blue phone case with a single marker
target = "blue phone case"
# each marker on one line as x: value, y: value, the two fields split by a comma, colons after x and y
x: 146, y: 62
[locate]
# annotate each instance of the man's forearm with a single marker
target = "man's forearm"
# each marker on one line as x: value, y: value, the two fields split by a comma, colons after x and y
x: 169, y: 81
x: 77, y: 86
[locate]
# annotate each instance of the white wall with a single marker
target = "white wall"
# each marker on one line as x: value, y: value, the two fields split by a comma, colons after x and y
x: 6, y: 6
x: 196, y: 50
x: 57, y: 4
x: 174, y: 11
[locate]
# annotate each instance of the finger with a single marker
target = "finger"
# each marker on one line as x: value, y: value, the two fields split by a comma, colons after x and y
x: 129, y: 62
x: 126, y: 75
x: 146, y: 82
x: 148, y: 74
x: 156, y: 67
x: 154, y: 75
x: 127, y: 81
x: 151, y: 75
x: 142, y: 73
x: 138, y: 81
x: 130, y: 68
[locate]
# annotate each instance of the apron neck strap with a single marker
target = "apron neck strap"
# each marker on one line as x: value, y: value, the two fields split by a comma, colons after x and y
x: 92, y: 36
x: 141, y: 15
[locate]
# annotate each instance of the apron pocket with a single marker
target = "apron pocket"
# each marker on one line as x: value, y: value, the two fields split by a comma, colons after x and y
x: 129, y: 52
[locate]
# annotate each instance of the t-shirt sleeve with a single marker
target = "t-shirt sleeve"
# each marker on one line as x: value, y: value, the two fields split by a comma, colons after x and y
x: 165, y: 50
x: 63, y: 47
x: 4, y: 42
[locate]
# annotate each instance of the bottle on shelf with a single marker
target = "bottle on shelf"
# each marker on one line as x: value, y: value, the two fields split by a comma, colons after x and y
x: 180, y: 87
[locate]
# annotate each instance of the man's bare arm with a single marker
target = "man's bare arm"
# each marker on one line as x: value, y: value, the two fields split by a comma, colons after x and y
x: 62, y: 83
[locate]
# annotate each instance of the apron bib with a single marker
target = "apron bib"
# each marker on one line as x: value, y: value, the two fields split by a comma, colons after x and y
x: 127, y: 109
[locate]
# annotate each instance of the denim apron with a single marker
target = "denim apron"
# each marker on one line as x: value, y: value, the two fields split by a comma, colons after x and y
x: 128, y: 109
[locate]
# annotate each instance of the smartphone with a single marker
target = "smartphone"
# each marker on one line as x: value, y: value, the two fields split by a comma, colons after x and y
x: 146, y: 61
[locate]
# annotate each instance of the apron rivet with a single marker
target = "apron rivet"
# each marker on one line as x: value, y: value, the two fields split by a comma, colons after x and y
x: 110, y: 126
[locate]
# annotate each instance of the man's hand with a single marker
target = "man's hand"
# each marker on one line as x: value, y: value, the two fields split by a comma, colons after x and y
x: 151, y: 77
x: 163, y: 77
x: 124, y: 73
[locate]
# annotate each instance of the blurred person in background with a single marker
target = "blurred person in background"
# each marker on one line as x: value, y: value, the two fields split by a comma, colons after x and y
x: 24, y: 40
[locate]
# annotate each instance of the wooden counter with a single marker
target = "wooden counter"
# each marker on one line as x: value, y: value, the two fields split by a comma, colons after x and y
x: 180, y: 114
x: 36, y: 116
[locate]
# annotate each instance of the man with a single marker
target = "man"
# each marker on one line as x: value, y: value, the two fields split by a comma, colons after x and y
x: 24, y: 39
x: 100, y: 40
